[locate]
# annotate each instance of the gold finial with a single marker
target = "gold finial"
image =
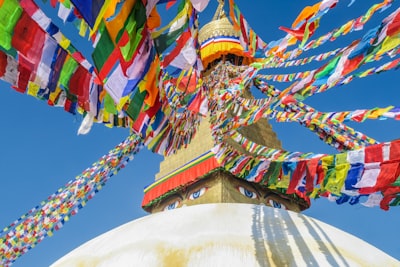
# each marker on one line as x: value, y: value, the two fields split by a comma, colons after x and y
x: 219, y: 26
x: 219, y: 13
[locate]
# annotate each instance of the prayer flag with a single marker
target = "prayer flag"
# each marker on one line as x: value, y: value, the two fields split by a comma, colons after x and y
x: 89, y: 9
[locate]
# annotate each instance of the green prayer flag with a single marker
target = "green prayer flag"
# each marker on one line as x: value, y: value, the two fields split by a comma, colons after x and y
x: 271, y: 177
x: 103, y: 49
x: 134, y: 26
x: 135, y: 105
x: 66, y: 3
x: 67, y: 70
x: 10, y: 13
x: 167, y: 39
x: 109, y: 105
x: 325, y: 71
x: 395, y: 202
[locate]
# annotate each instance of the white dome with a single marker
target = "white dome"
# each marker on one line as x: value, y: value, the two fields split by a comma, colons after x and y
x: 226, y: 235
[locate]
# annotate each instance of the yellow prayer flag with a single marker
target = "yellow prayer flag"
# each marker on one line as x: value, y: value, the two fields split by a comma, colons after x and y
x: 122, y: 102
x: 283, y: 182
x: 389, y: 43
x: 33, y: 89
x: 327, y: 161
x: 341, y: 158
x: 376, y: 113
x: 365, y: 73
x: 65, y: 42
x: 80, y: 110
x: 348, y: 27
x: 100, y: 16
x: 83, y: 28
x: 336, y: 181
x: 53, y: 95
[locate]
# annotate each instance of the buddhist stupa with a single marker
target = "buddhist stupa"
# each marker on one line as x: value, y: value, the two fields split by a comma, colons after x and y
x: 203, y: 215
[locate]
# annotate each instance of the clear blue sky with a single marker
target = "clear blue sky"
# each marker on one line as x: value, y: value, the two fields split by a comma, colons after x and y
x: 40, y: 150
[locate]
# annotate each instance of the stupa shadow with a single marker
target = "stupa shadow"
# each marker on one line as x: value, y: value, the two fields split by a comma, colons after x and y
x: 286, y: 238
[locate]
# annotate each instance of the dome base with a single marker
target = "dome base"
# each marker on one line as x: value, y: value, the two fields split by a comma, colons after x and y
x: 226, y: 235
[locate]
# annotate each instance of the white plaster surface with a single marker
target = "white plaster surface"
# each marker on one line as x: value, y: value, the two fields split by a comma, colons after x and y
x: 226, y: 235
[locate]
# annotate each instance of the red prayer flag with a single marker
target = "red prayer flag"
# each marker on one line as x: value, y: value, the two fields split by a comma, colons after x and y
x: 25, y: 70
x: 170, y: 4
x: 312, y: 167
x: 3, y: 63
x: 298, y: 174
x: 352, y: 64
x: 79, y: 86
x: 394, y: 26
x: 28, y: 38
x: 374, y: 153
x: 395, y: 150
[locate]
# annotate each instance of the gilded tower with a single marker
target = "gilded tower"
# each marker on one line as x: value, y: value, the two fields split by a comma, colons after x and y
x: 193, y: 175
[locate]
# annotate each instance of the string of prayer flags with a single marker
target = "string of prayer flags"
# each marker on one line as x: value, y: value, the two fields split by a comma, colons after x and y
x: 51, y: 214
x: 362, y: 173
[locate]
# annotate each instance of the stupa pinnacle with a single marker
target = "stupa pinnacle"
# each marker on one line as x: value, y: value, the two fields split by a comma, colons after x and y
x: 193, y: 175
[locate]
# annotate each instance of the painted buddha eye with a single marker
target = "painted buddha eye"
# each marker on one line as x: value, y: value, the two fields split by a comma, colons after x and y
x: 198, y: 193
x: 247, y: 193
x: 172, y: 205
x: 276, y: 204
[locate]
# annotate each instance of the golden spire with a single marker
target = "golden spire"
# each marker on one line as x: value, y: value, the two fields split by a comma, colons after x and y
x: 219, y: 25
x: 220, y: 10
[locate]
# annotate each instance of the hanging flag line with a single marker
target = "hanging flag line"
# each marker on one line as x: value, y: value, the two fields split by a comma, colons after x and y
x: 51, y: 214
x: 302, y: 28
x: 252, y: 112
x: 304, y: 61
x: 370, y: 173
x: 332, y: 132
x: 352, y: 25
x: 390, y: 65
x: 310, y: 90
x: 337, y: 135
x: 359, y: 115
x: 289, y: 77
x: 45, y: 23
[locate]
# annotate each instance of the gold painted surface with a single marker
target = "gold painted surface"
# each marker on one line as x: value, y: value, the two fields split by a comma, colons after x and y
x: 218, y: 26
x: 201, y: 143
x: 215, y: 28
